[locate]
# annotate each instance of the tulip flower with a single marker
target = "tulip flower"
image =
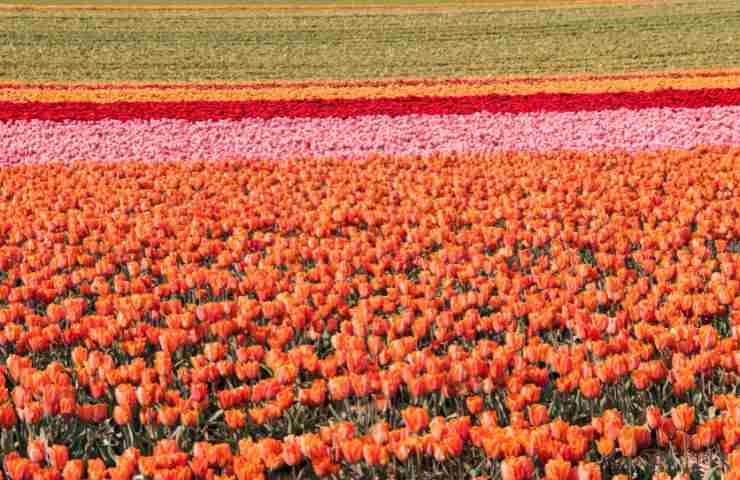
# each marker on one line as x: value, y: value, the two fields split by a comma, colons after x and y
x: 683, y: 417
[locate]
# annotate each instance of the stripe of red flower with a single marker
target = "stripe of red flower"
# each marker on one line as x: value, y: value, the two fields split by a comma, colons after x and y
x: 346, y: 108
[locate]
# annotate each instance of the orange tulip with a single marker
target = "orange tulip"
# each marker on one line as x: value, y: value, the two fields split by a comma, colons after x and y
x: 628, y: 442
x: 653, y: 416
x: 122, y: 415
x: 683, y: 381
x: 235, y: 419
x: 605, y: 446
x: 683, y: 417
x: 488, y: 419
x: 17, y: 468
x: 518, y: 468
x: 590, y: 387
x: 352, y: 450
x: 168, y: 416
x: 339, y: 387
x: 416, y: 418
x: 588, y: 471
x: 73, y: 470
x: 95, y: 469
x: 36, y: 451
x: 7, y: 417
x: 538, y: 414
x: 380, y: 432
x: 557, y: 469
x: 474, y: 404
x: 374, y: 454
x: 292, y: 454
x: 453, y: 444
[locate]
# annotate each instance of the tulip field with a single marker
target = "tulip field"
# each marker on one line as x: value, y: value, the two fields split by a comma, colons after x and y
x: 414, y: 240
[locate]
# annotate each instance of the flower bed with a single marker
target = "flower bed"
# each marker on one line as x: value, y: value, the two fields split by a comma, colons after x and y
x: 514, y: 277
x: 199, y: 110
x: 563, y: 314
x: 101, y: 122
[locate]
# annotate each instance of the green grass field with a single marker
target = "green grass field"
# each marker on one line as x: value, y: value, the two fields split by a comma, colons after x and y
x: 78, y: 45
x: 325, y: 3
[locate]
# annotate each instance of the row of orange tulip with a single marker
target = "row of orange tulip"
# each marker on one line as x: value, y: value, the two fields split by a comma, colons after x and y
x: 169, y: 291
x: 339, y: 442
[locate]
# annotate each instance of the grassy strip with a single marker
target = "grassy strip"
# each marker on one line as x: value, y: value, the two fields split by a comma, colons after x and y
x: 234, y: 45
x: 304, y: 4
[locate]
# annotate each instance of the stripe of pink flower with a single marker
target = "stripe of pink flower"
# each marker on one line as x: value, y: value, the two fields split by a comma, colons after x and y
x: 36, y: 141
